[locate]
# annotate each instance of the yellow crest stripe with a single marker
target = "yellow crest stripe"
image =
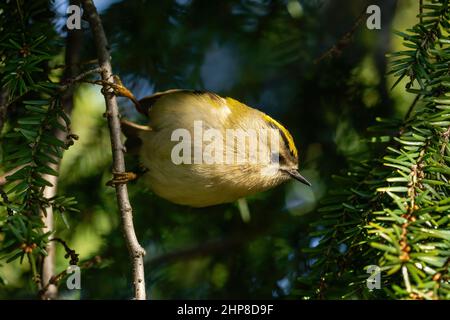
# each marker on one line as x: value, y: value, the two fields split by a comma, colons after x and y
x: 289, y: 138
x: 235, y: 104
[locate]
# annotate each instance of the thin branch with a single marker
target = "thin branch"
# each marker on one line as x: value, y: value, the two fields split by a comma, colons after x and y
x: 69, y: 82
x: 66, y: 85
x: 344, y: 41
x: 112, y: 111
x: 72, y: 59
x: 70, y: 253
x: 54, y: 280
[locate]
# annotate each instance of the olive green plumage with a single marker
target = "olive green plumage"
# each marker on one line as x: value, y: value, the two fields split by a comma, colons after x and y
x: 205, y: 184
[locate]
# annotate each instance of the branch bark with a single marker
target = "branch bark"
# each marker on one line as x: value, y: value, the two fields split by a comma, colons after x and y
x: 72, y: 60
x: 112, y: 112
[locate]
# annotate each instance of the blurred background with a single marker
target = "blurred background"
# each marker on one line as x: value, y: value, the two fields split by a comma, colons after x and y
x: 272, y: 55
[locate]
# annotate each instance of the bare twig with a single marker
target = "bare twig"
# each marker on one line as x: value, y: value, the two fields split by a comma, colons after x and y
x: 54, y: 280
x: 70, y: 253
x: 112, y: 111
x: 69, y: 82
x: 344, y: 41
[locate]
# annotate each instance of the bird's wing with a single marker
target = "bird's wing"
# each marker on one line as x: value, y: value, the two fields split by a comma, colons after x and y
x: 132, y: 130
x: 147, y: 102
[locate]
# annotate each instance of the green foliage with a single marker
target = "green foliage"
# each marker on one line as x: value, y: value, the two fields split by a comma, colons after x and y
x: 30, y: 147
x: 392, y: 209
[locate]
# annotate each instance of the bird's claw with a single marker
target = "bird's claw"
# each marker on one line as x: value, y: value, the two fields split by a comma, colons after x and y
x: 121, y: 178
x: 117, y: 88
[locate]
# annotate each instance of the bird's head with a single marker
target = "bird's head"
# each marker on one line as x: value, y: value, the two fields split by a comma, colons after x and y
x: 287, y: 155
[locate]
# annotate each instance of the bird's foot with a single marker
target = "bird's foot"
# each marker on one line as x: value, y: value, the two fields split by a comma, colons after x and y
x: 118, y: 89
x: 121, y: 178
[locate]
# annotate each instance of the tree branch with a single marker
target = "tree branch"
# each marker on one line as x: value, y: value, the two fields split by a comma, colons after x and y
x: 72, y: 59
x: 112, y: 111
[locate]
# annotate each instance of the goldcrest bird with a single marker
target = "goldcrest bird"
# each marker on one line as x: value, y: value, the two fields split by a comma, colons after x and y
x: 195, y: 182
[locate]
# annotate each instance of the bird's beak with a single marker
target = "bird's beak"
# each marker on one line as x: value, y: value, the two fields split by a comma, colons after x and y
x: 297, y: 176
